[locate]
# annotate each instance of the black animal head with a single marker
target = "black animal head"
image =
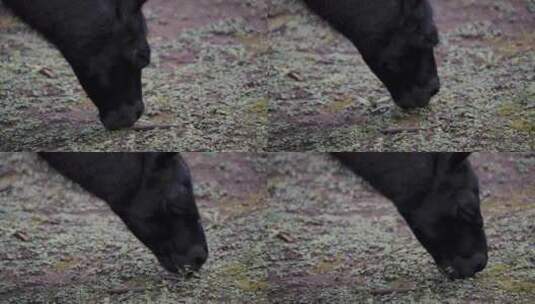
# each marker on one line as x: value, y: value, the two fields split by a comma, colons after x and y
x: 448, y: 221
x: 151, y: 192
x: 105, y: 43
x: 401, y: 54
x: 108, y: 55
x: 163, y: 214
x: 438, y: 195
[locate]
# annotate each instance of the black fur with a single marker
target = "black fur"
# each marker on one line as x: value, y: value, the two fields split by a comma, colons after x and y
x: 105, y: 43
x: 438, y: 195
x: 151, y: 192
x: 395, y: 38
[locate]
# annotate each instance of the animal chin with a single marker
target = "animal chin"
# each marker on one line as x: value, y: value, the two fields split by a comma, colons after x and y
x: 167, y: 263
x: 174, y: 266
x: 445, y: 268
x: 452, y: 273
x: 417, y: 98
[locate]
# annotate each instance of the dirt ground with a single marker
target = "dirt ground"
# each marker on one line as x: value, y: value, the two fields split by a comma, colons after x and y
x: 268, y: 75
x: 77, y: 251
x: 324, y: 98
x: 278, y: 231
x: 349, y: 245
x: 205, y: 81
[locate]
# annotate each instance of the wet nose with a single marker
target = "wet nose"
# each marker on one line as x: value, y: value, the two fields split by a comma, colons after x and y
x: 197, y: 256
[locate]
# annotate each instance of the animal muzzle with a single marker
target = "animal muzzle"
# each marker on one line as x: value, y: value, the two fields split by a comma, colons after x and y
x: 123, y: 117
x: 191, y: 261
x: 461, y: 267
x: 418, y: 96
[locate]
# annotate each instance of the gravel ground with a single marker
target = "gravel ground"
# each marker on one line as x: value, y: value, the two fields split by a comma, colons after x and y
x: 324, y: 98
x: 278, y: 232
x: 205, y: 81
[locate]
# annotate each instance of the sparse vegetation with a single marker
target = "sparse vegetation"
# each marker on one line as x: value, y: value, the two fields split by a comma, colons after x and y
x: 278, y: 232
x: 74, y: 249
x: 206, y: 74
x: 349, y: 245
x: 486, y: 63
